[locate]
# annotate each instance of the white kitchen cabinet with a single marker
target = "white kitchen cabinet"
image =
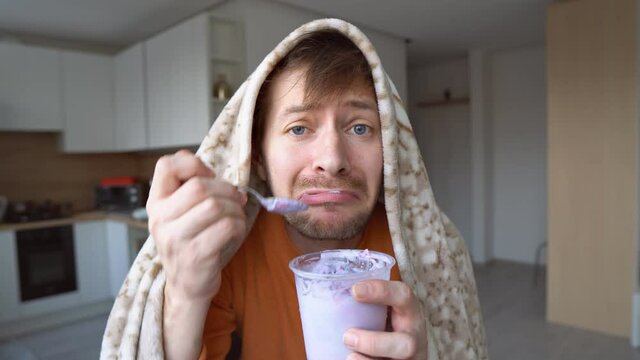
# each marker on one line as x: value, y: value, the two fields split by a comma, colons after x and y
x: 9, y: 297
x: 182, y: 64
x: 178, y: 84
x: 30, y: 88
x: 92, y: 260
x: 123, y: 244
x: 102, y: 259
x: 101, y: 251
x: 89, y: 124
x: 130, y: 100
x: 117, y: 255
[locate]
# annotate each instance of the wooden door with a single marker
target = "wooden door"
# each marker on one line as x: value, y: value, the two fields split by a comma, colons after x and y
x: 592, y: 164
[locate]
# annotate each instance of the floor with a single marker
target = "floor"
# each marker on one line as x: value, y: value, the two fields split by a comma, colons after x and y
x: 514, y: 314
x: 513, y: 310
x: 75, y: 341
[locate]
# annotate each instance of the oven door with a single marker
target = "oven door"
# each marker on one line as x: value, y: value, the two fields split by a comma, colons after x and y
x: 46, y: 262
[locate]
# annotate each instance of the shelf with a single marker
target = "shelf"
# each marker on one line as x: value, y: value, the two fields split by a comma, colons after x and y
x: 226, y: 60
x: 226, y: 57
x: 443, y: 102
x: 220, y: 19
x: 226, y: 40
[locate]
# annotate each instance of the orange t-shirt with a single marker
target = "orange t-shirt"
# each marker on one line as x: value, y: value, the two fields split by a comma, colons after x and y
x: 257, y: 297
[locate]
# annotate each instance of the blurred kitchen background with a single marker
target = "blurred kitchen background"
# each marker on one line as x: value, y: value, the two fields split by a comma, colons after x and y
x: 525, y: 111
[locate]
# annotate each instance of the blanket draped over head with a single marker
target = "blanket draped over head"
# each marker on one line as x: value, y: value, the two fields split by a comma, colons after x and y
x: 431, y: 254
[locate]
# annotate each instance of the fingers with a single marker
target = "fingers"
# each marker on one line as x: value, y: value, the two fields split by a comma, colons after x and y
x: 190, y: 247
x: 203, y: 215
x: 196, y: 215
x: 172, y: 170
x: 392, y: 293
x: 194, y: 191
x: 395, y: 345
x: 214, y: 238
x: 181, y: 181
x: 409, y: 333
x: 356, y: 356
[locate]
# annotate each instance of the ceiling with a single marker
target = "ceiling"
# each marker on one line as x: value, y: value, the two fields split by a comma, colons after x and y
x: 442, y: 29
x: 111, y: 23
x: 437, y: 29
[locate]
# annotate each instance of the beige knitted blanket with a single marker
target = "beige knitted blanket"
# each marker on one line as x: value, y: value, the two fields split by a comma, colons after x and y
x: 431, y: 254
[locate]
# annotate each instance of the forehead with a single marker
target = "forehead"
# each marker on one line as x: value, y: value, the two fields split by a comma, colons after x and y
x: 288, y: 88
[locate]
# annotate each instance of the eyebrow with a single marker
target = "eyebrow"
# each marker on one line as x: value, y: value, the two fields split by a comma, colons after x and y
x: 299, y: 108
x: 358, y: 104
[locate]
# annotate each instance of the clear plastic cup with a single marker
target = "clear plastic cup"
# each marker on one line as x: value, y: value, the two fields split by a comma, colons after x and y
x: 327, y: 309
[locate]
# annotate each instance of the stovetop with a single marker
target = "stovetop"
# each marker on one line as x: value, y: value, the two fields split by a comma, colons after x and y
x: 29, y: 211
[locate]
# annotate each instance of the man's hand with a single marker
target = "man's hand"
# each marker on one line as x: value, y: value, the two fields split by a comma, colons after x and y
x: 192, y: 216
x: 409, y: 337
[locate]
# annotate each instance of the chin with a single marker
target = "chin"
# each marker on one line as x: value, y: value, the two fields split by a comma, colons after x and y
x: 329, y: 222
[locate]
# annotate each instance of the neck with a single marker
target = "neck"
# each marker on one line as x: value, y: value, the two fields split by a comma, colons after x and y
x: 307, y: 245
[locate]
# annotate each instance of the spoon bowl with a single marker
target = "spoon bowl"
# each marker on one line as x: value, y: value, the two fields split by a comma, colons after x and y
x: 278, y: 205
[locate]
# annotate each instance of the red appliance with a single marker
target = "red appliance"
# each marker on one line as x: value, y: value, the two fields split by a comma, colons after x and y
x: 120, y: 193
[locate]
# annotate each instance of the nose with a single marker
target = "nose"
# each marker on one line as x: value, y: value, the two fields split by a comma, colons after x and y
x: 332, y: 157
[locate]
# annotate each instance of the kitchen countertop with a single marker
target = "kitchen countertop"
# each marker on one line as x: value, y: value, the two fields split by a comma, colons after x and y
x: 79, y: 217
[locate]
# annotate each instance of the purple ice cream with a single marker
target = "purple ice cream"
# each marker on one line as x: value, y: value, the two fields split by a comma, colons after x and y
x: 327, y: 309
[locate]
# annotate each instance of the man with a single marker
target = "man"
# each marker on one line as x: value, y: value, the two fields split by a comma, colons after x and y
x: 317, y: 136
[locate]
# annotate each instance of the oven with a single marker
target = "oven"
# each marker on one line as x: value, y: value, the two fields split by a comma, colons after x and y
x: 46, y: 262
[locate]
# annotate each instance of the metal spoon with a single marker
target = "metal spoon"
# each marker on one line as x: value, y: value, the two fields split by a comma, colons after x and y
x: 278, y: 205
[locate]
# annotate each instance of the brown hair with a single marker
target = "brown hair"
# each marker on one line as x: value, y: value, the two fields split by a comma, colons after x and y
x: 334, y: 63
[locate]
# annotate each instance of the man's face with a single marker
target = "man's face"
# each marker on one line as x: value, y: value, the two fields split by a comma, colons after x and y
x: 328, y: 155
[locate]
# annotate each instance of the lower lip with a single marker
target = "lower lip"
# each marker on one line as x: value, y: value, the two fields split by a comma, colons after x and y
x: 327, y: 197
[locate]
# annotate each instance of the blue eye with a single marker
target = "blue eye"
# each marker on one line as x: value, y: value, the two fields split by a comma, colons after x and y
x: 297, y: 130
x: 360, y: 129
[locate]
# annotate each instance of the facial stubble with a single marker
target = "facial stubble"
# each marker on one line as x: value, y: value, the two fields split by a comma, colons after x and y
x: 342, y: 229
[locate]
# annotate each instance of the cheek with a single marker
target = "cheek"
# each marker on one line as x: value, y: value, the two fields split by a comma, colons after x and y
x: 367, y: 165
x: 282, y: 172
x: 369, y: 161
x: 375, y: 173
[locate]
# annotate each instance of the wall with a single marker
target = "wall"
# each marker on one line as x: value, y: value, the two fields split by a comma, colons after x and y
x: 518, y: 121
x: 443, y: 134
x: 32, y: 168
x: 514, y: 114
x: 481, y: 155
x: 268, y: 22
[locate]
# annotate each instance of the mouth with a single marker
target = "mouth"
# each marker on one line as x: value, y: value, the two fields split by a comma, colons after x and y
x: 327, y: 196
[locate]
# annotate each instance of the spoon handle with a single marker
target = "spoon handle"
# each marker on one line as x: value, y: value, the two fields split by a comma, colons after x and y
x: 277, y: 204
x: 253, y: 192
